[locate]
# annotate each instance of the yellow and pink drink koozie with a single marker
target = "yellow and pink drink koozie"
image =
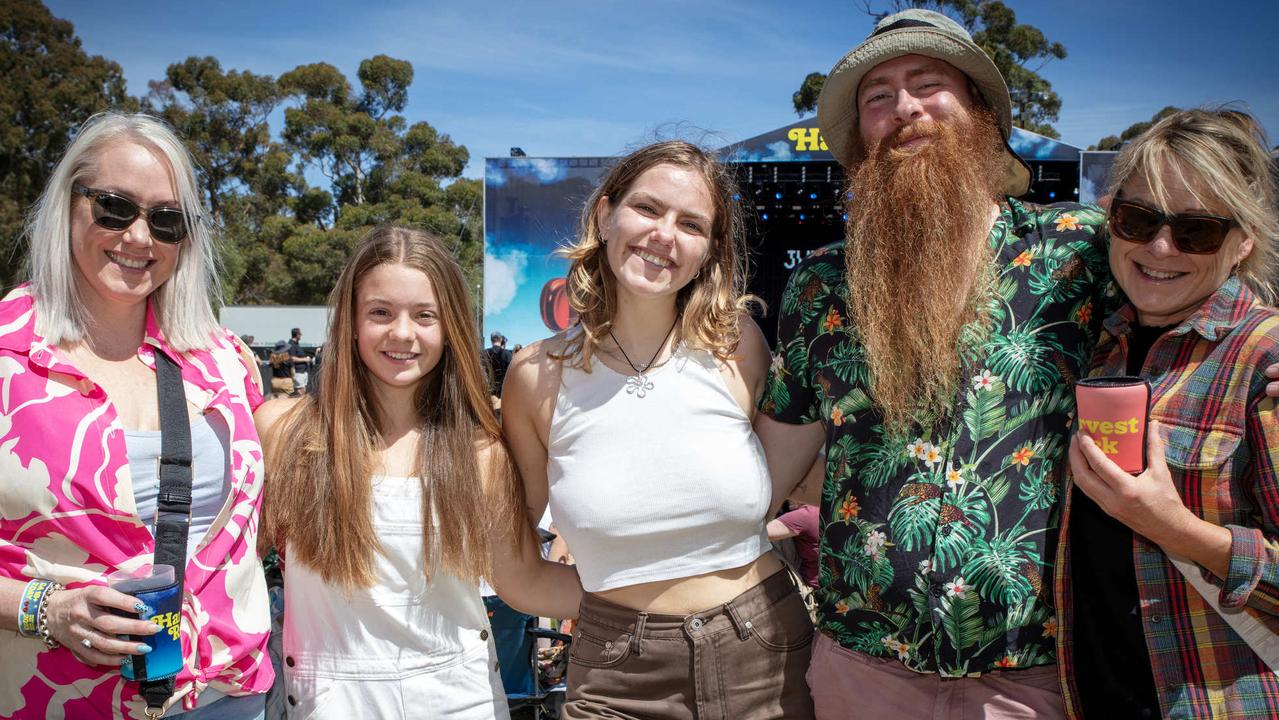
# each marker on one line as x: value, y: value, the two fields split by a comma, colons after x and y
x: 1114, y: 412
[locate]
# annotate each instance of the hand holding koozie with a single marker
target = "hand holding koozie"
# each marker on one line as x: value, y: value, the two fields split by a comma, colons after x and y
x: 156, y: 587
x: 1114, y: 411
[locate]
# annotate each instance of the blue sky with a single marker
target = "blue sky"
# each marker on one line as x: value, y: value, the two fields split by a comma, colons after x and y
x: 600, y: 77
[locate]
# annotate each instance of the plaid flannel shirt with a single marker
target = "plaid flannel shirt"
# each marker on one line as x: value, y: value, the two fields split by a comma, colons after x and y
x: 1208, y: 389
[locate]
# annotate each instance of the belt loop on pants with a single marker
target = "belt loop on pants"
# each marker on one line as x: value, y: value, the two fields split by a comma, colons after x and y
x: 639, y: 632
x: 744, y: 627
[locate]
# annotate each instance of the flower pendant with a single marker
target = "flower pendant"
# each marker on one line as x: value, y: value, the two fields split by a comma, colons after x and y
x: 638, y: 385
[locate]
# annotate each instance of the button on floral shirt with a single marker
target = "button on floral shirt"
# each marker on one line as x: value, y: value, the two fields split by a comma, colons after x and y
x: 937, y: 544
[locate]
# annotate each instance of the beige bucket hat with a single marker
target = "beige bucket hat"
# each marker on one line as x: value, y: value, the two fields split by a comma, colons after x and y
x: 914, y: 32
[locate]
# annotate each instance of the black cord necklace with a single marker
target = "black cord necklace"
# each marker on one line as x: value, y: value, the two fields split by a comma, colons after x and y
x: 639, y: 384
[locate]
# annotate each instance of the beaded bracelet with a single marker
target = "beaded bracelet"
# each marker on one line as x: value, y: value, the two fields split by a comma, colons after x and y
x: 33, y: 596
x: 43, y: 614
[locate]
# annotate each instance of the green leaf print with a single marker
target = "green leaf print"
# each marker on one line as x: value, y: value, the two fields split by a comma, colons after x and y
x: 984, y: 415
x: 995, y: 569
x: 848, y: 362
x: 960, y: 520
x: 879, y: 461
x: 796, y: 358
x: 913, y: 518
x: 960, y: 617
x: 1023, y: 359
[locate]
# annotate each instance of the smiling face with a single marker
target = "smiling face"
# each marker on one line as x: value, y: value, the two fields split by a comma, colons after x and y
x: 909, y: 91
x: 658, y: 234
x: 120, y: 268
x: 398, y: 332
x: 1164, y: 284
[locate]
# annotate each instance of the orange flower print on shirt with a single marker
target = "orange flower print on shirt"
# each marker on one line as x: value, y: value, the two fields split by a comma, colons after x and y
x: 1023, y: 260
x: 832, y: 320
x: 841, y: 607
x: 1050, y: 627
x: 1006, y: 662
x: 837, y: 417
x: 1067, y: 222
x: 1084, y: 314
x: 1022, y: 457
x: 849, y: 509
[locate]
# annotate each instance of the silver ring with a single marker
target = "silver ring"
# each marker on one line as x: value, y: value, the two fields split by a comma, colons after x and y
x: 87, y: 643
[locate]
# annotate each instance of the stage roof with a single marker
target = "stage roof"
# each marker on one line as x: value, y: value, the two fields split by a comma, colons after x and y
x: 801, y: 142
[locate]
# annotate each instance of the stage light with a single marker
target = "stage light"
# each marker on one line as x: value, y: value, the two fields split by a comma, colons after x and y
x: 801, y: 217
x: 736, y: 198
x: 812, y: 196
x: 777, y: 195
x: 765, y: 216
x: 1052, y: 194
x: 845, y: 217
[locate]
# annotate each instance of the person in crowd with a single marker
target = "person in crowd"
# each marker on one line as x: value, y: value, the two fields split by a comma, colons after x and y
x: 390, y: 494
x: 282, y: 370
x: 931, y: 355
x: 301, y: 362
x: 499, y: 359
x: 637, y: 424
x: 121, y: 269
x: 1156, y: 571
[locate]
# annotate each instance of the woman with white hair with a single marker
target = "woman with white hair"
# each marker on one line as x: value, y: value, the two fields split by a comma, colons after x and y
x: 121, y: 272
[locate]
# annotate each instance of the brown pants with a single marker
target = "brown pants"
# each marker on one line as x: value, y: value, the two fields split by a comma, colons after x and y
x: 743, y: 660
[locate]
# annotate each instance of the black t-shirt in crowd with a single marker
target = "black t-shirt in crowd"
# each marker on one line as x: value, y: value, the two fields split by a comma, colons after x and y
x: 1111, y: 664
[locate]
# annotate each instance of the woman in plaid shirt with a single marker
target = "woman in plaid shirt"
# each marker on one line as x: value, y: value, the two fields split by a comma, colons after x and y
x: 1193, y: 224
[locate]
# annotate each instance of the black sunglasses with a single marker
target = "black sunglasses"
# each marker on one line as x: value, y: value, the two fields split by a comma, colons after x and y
x: 115, y: 212
x: 1193, y: 234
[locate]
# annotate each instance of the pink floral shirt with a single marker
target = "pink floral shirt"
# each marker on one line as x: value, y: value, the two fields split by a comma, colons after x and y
x: 67, y: 513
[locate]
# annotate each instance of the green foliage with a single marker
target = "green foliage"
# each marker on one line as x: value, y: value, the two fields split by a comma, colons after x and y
x: 1020, y: 51
x: 51, y: 85
x: 284, y: 239
x: 805, y: 98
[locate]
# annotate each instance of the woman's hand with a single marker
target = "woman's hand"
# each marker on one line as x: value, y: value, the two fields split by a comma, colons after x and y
x: 84, y: 613
x: 1149, y: 503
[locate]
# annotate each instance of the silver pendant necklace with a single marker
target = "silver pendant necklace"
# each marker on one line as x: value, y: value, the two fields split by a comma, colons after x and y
x: 639, y: 384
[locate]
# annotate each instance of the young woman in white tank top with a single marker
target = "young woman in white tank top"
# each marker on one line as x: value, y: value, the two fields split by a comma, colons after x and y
x: 389, y: 494
x: 636, y: 424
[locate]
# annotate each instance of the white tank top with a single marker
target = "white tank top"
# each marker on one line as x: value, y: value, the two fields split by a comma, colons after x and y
x: 668, y: 485
x: 402, y: 648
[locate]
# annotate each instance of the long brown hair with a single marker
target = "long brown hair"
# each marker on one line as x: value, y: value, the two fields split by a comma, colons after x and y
x: 318, y: 496
x: 710, y: 305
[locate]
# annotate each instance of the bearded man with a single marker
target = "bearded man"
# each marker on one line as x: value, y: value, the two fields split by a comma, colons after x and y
x: 933, y: 356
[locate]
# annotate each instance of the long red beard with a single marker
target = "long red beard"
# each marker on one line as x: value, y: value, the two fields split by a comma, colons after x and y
x: 917, y: 256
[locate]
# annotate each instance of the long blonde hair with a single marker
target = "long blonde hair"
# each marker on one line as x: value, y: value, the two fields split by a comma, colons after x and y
x: 710, y: 305
x: 318, y: 495
x: 1221, y: 152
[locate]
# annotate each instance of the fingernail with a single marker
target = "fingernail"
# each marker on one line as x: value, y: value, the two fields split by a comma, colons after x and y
x: 140, y: 606
x: 143, y: 648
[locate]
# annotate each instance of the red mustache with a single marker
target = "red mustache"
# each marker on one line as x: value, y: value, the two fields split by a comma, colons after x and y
x: 906, y: 133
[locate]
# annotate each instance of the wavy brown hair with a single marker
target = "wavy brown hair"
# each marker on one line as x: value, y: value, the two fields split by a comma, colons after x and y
x: 318, y: 496
x: 711, y: 305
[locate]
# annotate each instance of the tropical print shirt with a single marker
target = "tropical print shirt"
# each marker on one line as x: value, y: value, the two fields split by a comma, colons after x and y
x: 1208, y: 389
x: 937, y: 544
x: 67, y: 513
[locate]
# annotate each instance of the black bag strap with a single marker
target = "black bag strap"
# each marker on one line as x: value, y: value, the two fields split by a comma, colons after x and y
x: 173, y: 505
